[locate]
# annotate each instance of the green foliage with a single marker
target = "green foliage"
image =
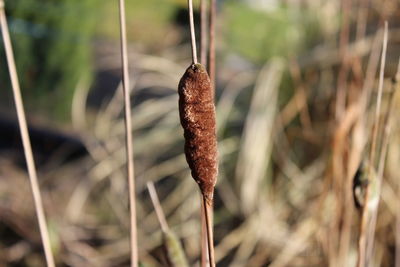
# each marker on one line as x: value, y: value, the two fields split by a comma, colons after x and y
x: 51, y: 40
x: 149, y: 22
x: 260, y: 34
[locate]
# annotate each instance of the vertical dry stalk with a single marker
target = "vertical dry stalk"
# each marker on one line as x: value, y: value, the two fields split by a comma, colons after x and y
x: 128, y: 136
x: 397, y: 225
x: 379, y: 98
x: 365, y: 218
x: 203, y: 32
x: 25, y: 139
x: 208, y: 212
x: 397, y: 253
x: 358, y: 145
x: 204, y: 241
x: 386, y: 125
x: 211, y: 49
x: 192, y: 32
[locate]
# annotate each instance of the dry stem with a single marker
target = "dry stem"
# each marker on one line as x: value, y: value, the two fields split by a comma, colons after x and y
x: 128, y: 136
x: 211, y: 51
x: 387, y: 124
x: 203, y: 32
x: 208, y: 212
x: 204, y: 242
x: 192, y: 32
x: 362, y: 243
x: 25, y: 139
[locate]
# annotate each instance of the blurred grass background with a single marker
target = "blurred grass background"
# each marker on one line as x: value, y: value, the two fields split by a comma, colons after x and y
x: 279, y: 200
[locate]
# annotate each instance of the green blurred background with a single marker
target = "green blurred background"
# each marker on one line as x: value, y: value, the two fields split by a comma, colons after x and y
x: 55, y: 41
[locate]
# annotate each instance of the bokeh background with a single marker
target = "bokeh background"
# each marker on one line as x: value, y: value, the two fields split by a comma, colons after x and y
x: 281, y: 199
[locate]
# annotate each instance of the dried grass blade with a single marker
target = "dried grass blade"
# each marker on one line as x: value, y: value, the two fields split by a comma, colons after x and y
x: 256, y: 143
x: 175, y: 253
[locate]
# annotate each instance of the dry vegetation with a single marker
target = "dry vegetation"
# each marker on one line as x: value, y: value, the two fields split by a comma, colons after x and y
x: 291, y: 136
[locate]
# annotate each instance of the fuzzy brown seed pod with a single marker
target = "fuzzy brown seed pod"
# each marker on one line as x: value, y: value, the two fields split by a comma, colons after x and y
x: 197, y: 114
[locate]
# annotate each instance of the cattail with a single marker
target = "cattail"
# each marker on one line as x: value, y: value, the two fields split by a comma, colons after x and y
x: 197, y: 114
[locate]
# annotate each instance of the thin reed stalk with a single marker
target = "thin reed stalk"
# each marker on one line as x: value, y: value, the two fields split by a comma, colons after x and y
x: 192, y: 32
x: 365, y: 217
x: 379, y: 98
x: 211, y: 48
x: 397, y: 225
x: 44, y: 232
x: 208, y: 212
x: 203, y: 32
x: 387, y: 126
x: 397, y: 253
x: 204, y: 241
x: 128, y: 137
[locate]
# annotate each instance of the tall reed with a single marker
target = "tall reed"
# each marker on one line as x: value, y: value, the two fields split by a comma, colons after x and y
x: 128, y: 136
x: 211, y: 48
x: 44, y: 232
x: 203, y: 32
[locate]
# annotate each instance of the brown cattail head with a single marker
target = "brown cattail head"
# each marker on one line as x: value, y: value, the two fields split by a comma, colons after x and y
x: 197, y: 113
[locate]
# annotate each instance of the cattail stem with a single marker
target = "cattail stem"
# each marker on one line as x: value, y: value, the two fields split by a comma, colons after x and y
x: 208, y: 212
x: 204, y: 242
x: 25, y: 139
x: 211, y: 49
x: 203, y: 32
x: 128, y: 136
x: 192, y: 32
